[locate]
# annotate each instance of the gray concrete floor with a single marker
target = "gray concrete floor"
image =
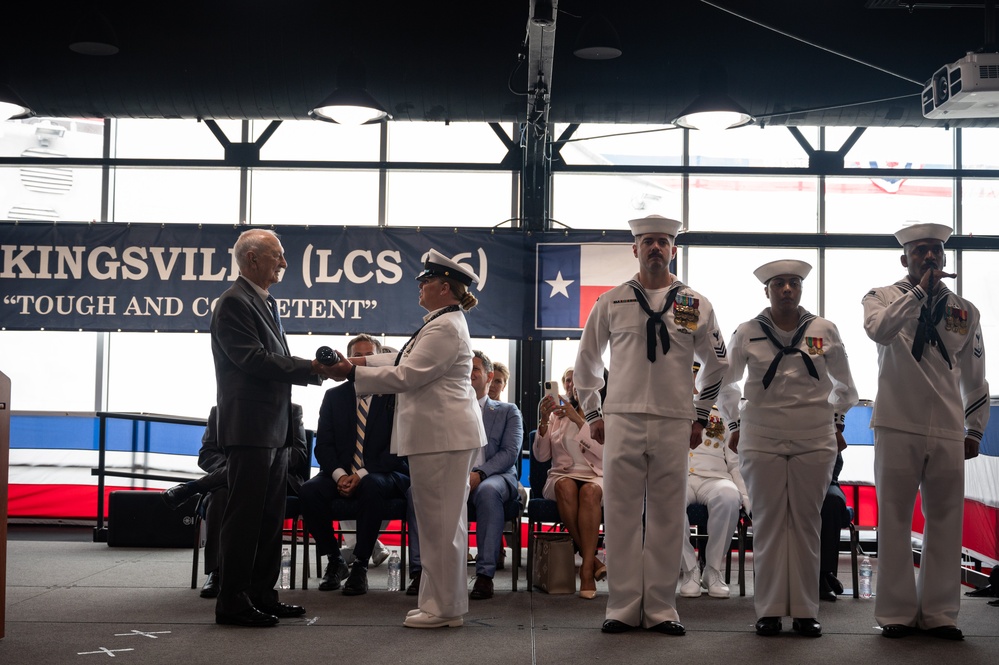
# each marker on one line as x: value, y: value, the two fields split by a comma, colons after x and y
x: 70, y: 600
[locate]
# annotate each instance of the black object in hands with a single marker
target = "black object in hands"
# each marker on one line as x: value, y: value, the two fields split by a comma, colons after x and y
x: 327, y: 356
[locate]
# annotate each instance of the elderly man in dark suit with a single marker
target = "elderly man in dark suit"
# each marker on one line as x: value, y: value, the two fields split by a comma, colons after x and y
x: 254, y: 371
x: 211, y: 459
x: 354, y: 463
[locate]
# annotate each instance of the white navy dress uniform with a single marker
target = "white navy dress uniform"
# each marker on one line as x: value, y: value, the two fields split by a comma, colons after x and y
x: 932, y: 395
x: 715, y: 481
x: 647, y: 425
x: 797, y: 392
x: 431, y: 375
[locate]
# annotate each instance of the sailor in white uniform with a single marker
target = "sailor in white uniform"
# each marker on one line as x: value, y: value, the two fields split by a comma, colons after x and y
x: 788, y: 431
x: 654, y: 325
x: 714, y: 480
x: 929, y: 417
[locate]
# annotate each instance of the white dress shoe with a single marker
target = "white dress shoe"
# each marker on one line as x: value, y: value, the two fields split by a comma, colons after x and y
x: 690, y: 584
x: 412, y: 612
x: 713, y: 582
x: 423, y: 620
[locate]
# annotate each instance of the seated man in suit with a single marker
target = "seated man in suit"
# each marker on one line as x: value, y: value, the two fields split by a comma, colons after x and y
x: 352, y: 447
x: 211, y: 459
x: 493, y: 482
x: 835, y: 517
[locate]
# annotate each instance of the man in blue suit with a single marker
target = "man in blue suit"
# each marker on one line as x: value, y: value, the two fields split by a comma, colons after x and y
x: 353, y: 466
x: 494, y: 477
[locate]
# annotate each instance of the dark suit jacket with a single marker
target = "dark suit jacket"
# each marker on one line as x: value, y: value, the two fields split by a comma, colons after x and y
x: 211, y: 457
x: 254, y: 371
x: 336, y: 435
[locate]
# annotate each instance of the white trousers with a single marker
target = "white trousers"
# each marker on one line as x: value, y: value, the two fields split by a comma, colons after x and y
x: 905, y: 463
x: 722, y: 498
x: 439, y: 484
x: 787, y: 482
x: 645, y: 471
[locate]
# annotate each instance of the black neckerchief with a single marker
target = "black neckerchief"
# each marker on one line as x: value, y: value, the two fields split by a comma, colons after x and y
x: 655, y: 319
x: 442, y: 312
x: 926, y: 329
x: 782, y: 351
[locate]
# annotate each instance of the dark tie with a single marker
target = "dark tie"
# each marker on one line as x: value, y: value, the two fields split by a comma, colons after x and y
x: 362, y: 421
x: 786, y: 351
x: 274, y: 312
x: 655, y: 318
x: 926, y: 331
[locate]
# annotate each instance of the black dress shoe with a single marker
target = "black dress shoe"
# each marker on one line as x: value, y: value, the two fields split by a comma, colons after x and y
x: 357, y: 581
x: 336, y: 572
x: 895, y: 630
x: 768, y: 626
x: 808, y: 627
x: 993, y: 603
x: 945, y: 632
x: 251, y: 618
x: 834, y: 584
x: 674, y: 628
x: 211, y: 588
x: 482, y: 589
x: 615, y: 626
x: 825, y: 592
x: 414, y: 584
x: 987, y: 591
x: 283, y: 610
x: 177, y: 495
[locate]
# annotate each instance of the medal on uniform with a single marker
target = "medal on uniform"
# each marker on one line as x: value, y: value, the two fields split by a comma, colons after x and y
x: 686, y: 312
x: 956, y: 320
x: 814, y: 346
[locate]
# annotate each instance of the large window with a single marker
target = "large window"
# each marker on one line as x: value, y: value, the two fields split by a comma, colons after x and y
x: 323, y: 174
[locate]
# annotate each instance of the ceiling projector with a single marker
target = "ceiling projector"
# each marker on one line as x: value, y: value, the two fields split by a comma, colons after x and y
x: 969, y: 88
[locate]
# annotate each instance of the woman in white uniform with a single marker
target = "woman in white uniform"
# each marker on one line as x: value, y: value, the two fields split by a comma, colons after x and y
x: 438, y: 426
x: 797, y: 392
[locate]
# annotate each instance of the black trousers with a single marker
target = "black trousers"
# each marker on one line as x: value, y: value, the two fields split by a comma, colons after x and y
x: 372, y: 497
x: 251, y: 527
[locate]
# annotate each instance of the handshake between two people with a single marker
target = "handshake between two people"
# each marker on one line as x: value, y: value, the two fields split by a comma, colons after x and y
x: 331, y: 364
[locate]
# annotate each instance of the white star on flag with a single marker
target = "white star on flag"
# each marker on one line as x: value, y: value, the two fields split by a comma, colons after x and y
x: 559, y: 285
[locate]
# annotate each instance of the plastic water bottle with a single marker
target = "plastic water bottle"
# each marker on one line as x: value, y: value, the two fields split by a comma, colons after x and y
x: 285, y: 566
x: 394, y: 572
x: 866, y: 572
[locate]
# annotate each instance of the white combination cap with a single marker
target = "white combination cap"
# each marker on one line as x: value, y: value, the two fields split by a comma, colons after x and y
x: 768, y: 271
x: 922, y: 230
x: 654, y: 224
x: 438, y: 265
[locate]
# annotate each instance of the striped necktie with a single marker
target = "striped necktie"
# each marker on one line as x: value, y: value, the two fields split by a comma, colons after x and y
x: 274, y: 312
x: 362, y: 421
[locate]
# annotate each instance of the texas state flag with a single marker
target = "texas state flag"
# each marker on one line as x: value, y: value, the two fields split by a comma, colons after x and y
x: 570, y: 278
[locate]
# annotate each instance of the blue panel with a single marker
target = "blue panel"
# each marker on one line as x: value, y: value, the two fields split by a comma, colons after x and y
x: 56, y: 432
x: 858, y: 430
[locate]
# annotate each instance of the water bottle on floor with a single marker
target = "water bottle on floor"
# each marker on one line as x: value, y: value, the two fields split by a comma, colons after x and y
x: 866, y: 573
x: 394, y: 572
x: 285, y: 567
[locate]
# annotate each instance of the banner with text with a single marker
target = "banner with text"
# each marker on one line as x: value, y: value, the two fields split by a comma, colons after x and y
x: 141, y: 277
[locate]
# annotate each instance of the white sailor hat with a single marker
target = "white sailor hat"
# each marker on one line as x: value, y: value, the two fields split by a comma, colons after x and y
x: 920, y: 230
x: 768, y: 271
x: 654, y: 224
x: 438, y: 265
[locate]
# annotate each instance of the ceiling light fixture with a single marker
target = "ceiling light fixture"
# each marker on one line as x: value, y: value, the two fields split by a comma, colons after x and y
x: 597, y: 40
x: 11, y: 105
x: 713, y: 109
x: 93, y: 35
x: 350, y: 103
